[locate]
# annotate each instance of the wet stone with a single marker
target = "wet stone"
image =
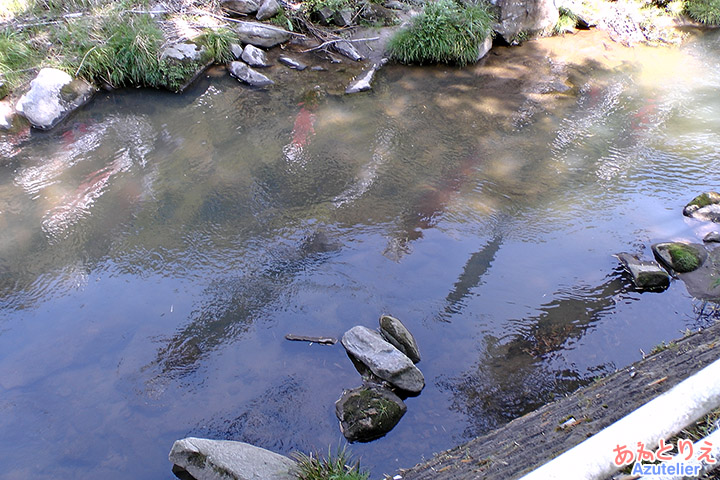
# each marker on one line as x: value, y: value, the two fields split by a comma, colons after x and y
x: 369, y: 412
x: 712, y: 237
x: 292, y: 63
x: 383, y: 359
x: 254, y: 57
x: 395, y: 332
x: 705, y: 207
x: 346, y: 48
x: 246, y: 74
x: 646, y: 274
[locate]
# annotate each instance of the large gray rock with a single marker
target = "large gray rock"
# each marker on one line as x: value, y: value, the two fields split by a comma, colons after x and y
x: 53, y: 95
x: 240, y: 6
x: 528, y: 16
x: 254, y: 57
x: 712, y: 237
x: 246, y: 74
x: 346, y: 48
x: 227, y: 460
x: 680, y: 257
x: 395, y: 332
x: 646, y: 274
x: 261, y: 35
x: 268, y: 9
x: 383, y: 359
x: 705, y: 207
x: 369, y: 412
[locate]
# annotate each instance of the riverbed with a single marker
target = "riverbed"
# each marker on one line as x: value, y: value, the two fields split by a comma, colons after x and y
x: 156, y: 248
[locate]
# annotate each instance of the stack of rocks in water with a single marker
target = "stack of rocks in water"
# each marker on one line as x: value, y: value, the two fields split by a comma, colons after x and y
x: 386, y: 361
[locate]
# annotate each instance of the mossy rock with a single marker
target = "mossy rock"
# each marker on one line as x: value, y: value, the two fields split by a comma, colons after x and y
x: 680, y: 257
x: 705, y: 206
x: 368, y: 412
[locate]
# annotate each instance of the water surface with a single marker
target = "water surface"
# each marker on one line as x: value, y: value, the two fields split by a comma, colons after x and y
x: 155, y: 249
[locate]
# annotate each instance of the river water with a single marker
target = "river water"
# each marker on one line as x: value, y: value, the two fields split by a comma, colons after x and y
x: 155, y: 249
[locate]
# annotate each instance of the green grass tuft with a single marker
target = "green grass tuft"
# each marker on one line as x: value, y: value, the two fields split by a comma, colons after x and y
x: 684, y: 258
x: 217, y: 42
x: 445, y: 32
x: 17, y: 58
x: 704, y: 11
x: 333, y: 467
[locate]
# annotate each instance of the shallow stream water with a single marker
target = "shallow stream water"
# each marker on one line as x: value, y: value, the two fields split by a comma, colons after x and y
x: 155, y: 249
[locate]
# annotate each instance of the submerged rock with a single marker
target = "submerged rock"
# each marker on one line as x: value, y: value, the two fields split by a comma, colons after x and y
x: 369, y: 412
x: 705, y: 207
x: 363, y: 82
x: 246, y: 74
x: 268, y: 9
x: 254, y: 57
x: 261, y: 35
x: 681, y: 257
x: 395, y: 332
x: 292, y: 63
x: 646, y: 274
x: 53, y: 95
x: 224, y: 460
x: 383, y: 359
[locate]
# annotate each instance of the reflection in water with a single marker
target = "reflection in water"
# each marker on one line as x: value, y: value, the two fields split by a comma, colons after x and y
x: 520, y: 374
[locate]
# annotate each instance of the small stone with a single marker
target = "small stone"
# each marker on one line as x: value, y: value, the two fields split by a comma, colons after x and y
x: 396, y: 333
x: 369, y: 412
x: 246, y: 74
x: 362, y: 82
x: 318, y: 68
x: 343, y: 18
x: 268, y: 9
x: 237, y: 50
x: 346, y: 48
x: 646, y: 274
x: 395, y: 5
x: 6, y: 114
x: 712, y: 237
x: 681, y: 257
x: 254, y: 57
x: 484, y: 48
x: 383, y: 359
x: 224, y: 459
x: 291, y: 63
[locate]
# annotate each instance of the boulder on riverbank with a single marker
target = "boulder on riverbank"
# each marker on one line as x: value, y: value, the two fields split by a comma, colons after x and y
x: 261, y: 35
x: 223, y: 459
x: 53, y: 95
x: 368, y: 412
x: 526, y: 16
x: 383, y: 359
x: 705, y: 207
x: 646, y: 274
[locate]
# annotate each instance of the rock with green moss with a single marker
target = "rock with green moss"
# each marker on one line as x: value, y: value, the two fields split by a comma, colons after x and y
x: 705, y: 207
x: 206, y: 459
x: 680, y: 257
x: 646, y: 274
x: 368, y: 412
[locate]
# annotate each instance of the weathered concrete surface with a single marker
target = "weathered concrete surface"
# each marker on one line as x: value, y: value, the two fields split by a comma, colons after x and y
x: 529, y: 441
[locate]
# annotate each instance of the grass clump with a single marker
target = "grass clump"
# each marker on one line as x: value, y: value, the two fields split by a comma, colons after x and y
x: 217, y: 42
x: 333, y: 467
x: 17, y: 58
x: 445, y: 32
x: 704, y: 11
x: 684, y: 257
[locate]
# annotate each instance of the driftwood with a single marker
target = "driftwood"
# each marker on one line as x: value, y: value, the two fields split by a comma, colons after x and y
x: 306, y: 338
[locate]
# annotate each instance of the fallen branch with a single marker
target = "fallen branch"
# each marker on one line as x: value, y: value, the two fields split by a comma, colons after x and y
x: 331, y: 42
x: 305, y: 338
